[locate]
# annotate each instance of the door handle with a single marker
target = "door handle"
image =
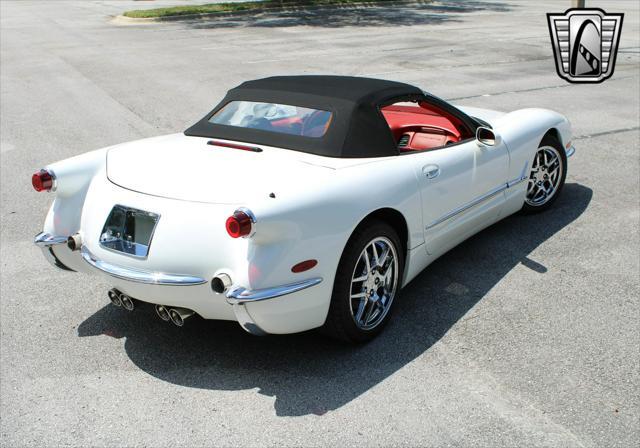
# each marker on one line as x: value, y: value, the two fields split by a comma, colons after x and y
x: 431, y: 171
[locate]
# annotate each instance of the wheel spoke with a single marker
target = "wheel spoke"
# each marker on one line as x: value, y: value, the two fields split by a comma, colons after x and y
x: 383, y: 257
x: 374, y: 250
x: 367, y: 263
x: 359, y: 295
x: 361, y: 278
x: 534, y: 190
x: 372, y: 307
x: 361, y: 306
x: 387, y: 274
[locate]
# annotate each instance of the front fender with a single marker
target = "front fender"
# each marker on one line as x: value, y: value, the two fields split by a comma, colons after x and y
x: 522, y: 131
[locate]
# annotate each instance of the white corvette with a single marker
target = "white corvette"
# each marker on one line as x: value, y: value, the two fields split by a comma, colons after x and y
x: 298, y: 202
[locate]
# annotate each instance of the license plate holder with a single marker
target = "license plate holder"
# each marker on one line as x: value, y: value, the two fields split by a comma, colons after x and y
x: 129, y: 231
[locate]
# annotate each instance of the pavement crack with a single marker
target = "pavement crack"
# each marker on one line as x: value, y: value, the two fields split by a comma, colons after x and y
x: 533, y: 89
x: 600, y: 134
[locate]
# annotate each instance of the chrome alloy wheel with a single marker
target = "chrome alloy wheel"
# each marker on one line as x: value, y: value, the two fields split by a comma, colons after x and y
x: 374, y: 283
x: 545, y: 177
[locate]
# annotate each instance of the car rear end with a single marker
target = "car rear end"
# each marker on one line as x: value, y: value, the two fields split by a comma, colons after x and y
x: 183, y: 254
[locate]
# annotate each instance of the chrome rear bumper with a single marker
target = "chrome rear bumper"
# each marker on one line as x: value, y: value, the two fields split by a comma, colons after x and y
x: 43, y: 239
x: 46, y: 242
x: 139, y: 275
x: 238, y: 295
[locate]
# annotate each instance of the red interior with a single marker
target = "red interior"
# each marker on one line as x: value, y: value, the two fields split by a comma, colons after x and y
x: 425, y: 126
x: 313, y: 125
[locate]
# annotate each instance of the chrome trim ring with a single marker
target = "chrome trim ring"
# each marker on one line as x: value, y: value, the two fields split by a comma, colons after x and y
x: 138, y: 275
x: 44, y: 239
x: 252, y: 217
x: 54, y: 180
x: 374, y: 283
x: 249, y: 213
x: 238, y: 294
x: 544, y: 178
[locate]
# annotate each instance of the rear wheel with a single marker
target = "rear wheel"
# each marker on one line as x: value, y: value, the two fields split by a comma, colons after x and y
x: 367, y: 282
x: 547, y: 176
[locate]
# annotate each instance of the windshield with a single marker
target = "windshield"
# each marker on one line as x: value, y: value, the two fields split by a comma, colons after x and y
x: 280, y: 118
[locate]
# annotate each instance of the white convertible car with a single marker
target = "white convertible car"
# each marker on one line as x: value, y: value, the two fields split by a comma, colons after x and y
x: 298, y: 202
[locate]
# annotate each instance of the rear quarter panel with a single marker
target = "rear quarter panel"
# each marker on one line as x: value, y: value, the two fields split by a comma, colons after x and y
x: 315, y: 221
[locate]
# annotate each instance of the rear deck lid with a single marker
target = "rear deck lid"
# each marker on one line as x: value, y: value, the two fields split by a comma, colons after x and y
x: 188, y: 168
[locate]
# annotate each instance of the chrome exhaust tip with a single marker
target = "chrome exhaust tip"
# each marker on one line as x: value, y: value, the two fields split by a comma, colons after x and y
x: 163, y: 313
x: 114, y: 297
x: 74, y: 242
x: 179, y: 315
x: 127, y: 302
x: 220, y: 283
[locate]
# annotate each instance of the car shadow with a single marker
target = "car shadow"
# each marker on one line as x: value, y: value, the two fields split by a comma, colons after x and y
x: 336, y: 16
x: 310, y: 374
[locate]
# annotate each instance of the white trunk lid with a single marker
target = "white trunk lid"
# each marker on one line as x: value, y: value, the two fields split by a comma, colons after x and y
x: 187, y: 168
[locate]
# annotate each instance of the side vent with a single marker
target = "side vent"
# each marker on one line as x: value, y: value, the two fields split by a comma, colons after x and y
x: 404, y: 141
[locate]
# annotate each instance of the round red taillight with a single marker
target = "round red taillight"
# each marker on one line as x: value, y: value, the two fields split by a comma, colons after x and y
x: 42, y: 181
x: 239, y: 224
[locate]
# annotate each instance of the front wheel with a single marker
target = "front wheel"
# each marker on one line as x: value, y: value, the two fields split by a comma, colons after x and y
x: 367, y: 282
x: 547, y: 176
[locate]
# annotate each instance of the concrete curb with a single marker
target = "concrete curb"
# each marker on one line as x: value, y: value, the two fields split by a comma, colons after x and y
x: 124, y: 20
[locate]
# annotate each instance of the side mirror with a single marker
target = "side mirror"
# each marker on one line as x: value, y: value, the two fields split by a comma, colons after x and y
x: 487, y: 137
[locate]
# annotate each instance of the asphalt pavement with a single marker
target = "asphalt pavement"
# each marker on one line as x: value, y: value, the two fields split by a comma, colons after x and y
x: 527, y: 334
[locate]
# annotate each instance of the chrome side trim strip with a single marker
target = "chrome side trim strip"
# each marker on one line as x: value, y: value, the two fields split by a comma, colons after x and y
x: 467, y: 206
x: 514, y: 182
x: 138, y: 275
x: 238, y: 294
x: 43, y: 239
x: 571, y: 150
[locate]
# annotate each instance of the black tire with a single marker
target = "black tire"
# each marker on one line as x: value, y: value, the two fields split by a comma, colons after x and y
x: 341, y: 323
x: 549, y: 141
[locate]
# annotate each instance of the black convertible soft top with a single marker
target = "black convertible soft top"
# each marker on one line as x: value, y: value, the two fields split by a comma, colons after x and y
x: 358, y: 128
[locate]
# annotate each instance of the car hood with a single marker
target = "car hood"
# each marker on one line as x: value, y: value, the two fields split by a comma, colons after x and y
x: 188, y: 168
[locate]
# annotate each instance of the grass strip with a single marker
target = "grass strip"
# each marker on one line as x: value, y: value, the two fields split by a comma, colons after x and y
x: 213, y: 8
